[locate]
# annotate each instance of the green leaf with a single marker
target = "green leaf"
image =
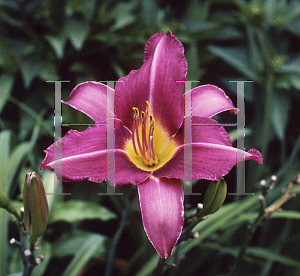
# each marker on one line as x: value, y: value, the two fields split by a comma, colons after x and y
x: 192, y: 57
x: 196, y: 10
x: 228, y: 33
x: 30, y: 68
x: 76, y: 210
x: 292, y: 67
x: 289, y: 214
x: 196, y: 26
x: 77, y: 31
x: 149, y: 266
x: 239, y: 133
x: 272, y: 256
x: 123, y: 15
x: 58, y: 43
x: 295, y: 81
x: 280, y: 112
x: 236, y: 57
x: 6, y: 84
x: 52, y: 186
x: 294, y: 26
x: 4, y: 159
x: 149, y: 12
x: 292, y: 10
x: 88, y: 250
x: 219, y: 220
x: 17, y: 155
x: 86, y: 8
x: 69, y: 243
x: 49, y: 72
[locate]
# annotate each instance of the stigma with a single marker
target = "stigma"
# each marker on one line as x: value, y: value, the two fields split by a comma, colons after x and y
x: 142, y: 135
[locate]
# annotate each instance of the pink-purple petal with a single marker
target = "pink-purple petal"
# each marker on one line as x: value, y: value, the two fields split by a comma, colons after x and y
x: 158, y: 81
x: 209, y: 161
x: 212, y: 153
x: 84, y: 156
x: 207, y: 130
x: 162, y: 210
x: 209, y: 100
x: 91, y: 98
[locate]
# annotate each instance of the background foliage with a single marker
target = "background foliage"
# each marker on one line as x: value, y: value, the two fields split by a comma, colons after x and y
x: 80, y: 40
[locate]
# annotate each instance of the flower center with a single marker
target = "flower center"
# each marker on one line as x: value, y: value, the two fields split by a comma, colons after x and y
x: 142, y: 135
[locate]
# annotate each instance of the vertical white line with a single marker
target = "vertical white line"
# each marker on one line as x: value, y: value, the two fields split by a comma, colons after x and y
x: 110, y: 140
x: 240, y: 167
x: 57, y: 140
x: 188, y: 158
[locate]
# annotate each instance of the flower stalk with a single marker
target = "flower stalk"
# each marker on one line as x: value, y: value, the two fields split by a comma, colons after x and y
x: 6, y: 204
x: 264, y: 213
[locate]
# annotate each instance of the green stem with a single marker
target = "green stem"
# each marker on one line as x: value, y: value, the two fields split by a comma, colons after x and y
x: 264, y: 212
x: 249, y: 235
x: 111, y: 253
x: 159, y: 268
x: 24, y: 107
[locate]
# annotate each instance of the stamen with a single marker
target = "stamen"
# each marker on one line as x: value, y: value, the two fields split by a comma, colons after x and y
x: 144, y: 146
x: 151, y: 146
x: 144, y: 140
x: 133, y: 129
x: 138, y: 138
x: 149, y: 138
x: 152, y: 150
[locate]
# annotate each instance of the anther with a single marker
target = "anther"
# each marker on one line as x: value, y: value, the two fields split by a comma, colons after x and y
x: 143, y: 116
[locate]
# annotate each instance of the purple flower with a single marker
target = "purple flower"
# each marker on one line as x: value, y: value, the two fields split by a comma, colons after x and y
x: 149, y: 137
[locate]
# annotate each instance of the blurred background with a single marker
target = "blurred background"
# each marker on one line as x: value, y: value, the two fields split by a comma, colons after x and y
x: 81, y: 40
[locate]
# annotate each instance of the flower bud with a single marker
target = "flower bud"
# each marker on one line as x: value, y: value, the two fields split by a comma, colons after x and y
x: 35, y: 206
x: 6, y: 204
x: 214, y: 196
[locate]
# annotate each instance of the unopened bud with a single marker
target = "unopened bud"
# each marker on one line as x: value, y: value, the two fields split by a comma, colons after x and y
x: 199, y: 206
x: 27, y: 252
x: 196, y: 235
x: 261, y: 198
x: 214, y: 196
x: 273, y: 178
x: 35, y: 206
x: 263, y: 182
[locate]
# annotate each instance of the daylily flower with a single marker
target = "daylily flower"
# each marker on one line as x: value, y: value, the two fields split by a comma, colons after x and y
x: 149, y: 127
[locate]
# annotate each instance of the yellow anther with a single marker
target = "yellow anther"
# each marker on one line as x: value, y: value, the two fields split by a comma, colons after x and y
x: 135, y: 113
x: 152, y: 121
x: 147, y: 107
x: 143, y: 116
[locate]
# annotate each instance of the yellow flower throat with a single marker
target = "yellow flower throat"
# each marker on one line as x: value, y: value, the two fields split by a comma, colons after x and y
x: 142, y: 135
